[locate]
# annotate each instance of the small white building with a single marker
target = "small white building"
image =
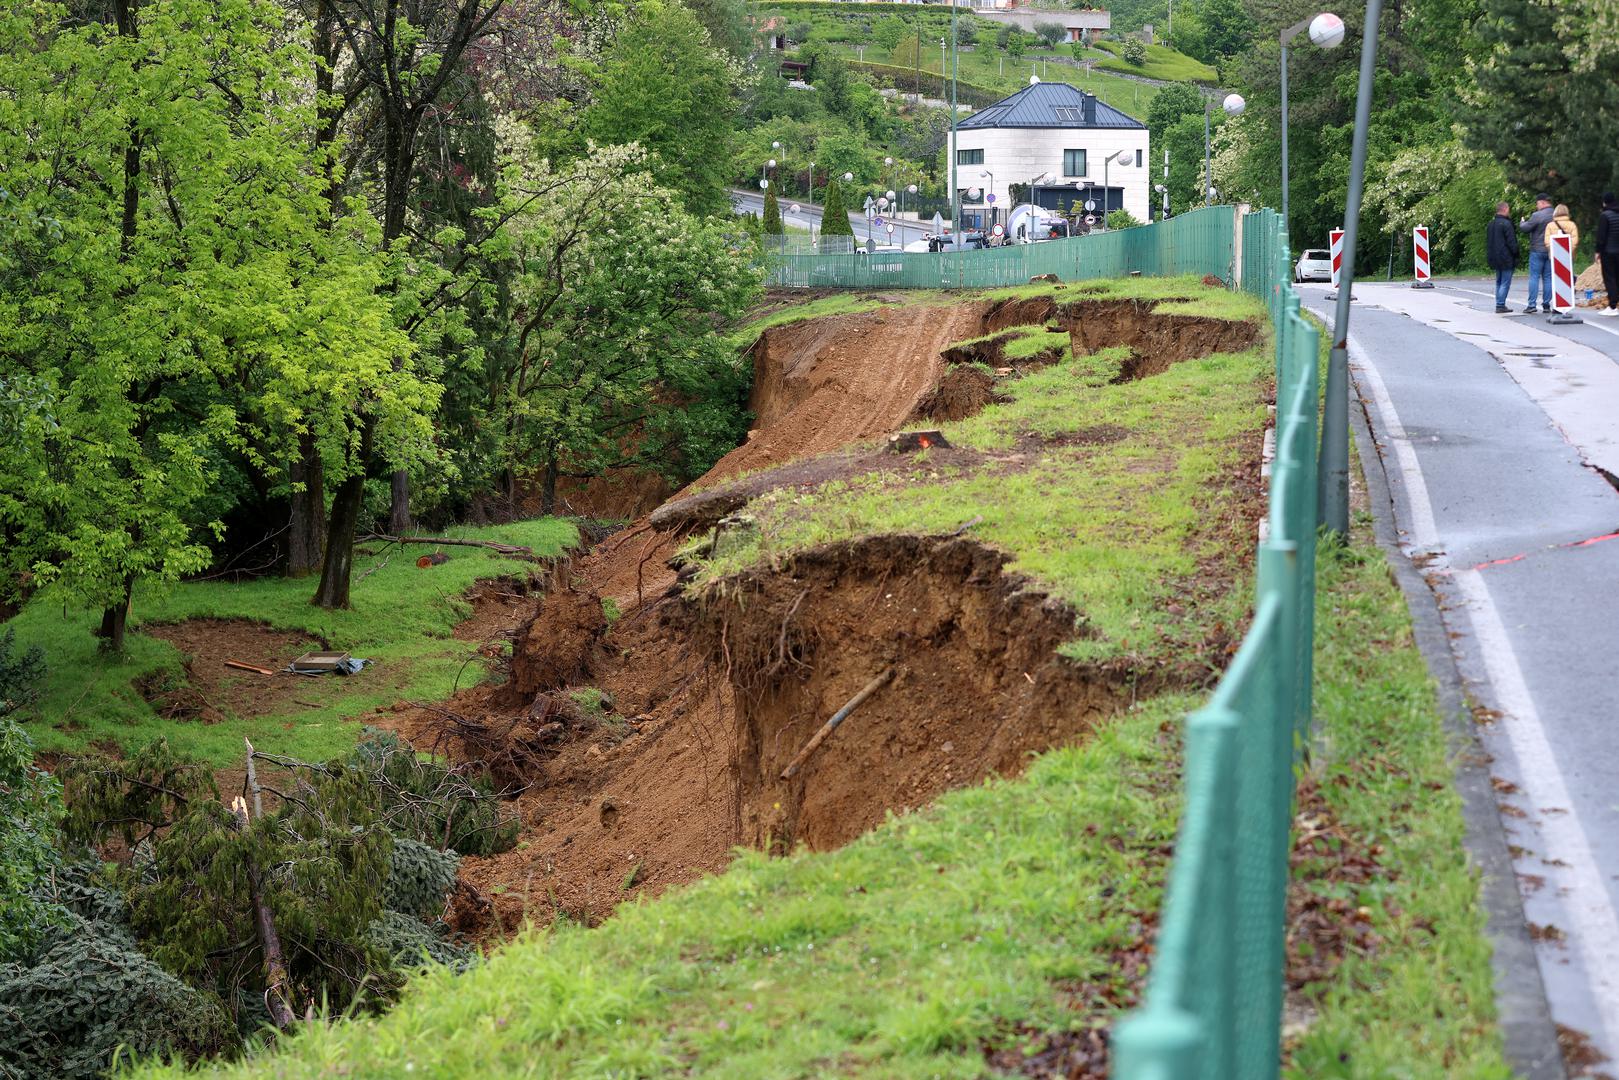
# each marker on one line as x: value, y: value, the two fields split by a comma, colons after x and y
x: 1055, y: 140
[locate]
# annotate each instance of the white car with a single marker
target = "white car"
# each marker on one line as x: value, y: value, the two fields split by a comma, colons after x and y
x: 1314, y: 265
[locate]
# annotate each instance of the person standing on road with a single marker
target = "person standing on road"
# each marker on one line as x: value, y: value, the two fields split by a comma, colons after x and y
x: 1501, y: 249
x: 1607, y: 246
x: 1540, y: 267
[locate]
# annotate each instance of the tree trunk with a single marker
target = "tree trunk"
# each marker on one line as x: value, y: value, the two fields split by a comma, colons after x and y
x: 276, y: 980
x: 115, y: 621
x: 307, y: 532
x: 347, y: 501
x: 399, y: 515
x: 548, y: 492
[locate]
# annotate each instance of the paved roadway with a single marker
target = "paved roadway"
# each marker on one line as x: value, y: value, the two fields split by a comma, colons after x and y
x: 748, y: 202
x: 1495, y: 432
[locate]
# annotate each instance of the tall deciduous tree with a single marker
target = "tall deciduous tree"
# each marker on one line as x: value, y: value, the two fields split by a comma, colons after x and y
x: 663, y: 86
x: 169, y: 286
x: 616, y: 291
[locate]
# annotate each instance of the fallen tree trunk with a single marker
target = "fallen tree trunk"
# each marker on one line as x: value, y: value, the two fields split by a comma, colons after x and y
x: 276, y: 979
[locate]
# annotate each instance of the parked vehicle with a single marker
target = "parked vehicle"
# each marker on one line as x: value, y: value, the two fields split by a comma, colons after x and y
x: 1314, y: 265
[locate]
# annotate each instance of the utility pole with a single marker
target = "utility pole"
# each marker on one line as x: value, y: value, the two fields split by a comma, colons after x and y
x: 955, y: 71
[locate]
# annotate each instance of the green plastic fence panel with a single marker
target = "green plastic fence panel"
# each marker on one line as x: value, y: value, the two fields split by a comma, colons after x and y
x: 1212, y: 1009
x: 1200, y: 242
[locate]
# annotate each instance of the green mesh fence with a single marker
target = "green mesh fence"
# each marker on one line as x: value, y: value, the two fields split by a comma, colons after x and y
x: 1213, y: 1004
x: 1201, y: 242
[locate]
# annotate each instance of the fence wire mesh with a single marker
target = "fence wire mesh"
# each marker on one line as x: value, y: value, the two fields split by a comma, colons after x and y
x: 1213, y: 1003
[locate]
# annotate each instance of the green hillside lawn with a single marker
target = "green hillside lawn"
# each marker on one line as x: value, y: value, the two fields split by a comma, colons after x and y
x: 992, y: 69
x: 1162, y: 63
x: 1008, y: 911
x: 401, y: 619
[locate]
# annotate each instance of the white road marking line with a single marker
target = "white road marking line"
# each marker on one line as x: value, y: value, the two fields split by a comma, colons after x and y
x: 1596, y: 925
x: 1491, y: 296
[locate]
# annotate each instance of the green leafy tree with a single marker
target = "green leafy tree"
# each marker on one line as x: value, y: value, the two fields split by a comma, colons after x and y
x: 30, y: 806
x: 1170, y: 104
x: 1134, y: 52
x: 834, y: 215
x: 616, y: 293
x: 1076, y: 49
x: 189, y: 305
x: 1050, y: 33
x: 663, y: 86
x: 772, y: 219
x: 1017, y: 45
x: 1227, y: 28
x: 1557, y: 62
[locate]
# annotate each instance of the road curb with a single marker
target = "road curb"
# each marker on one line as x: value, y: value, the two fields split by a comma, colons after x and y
x: 1524, y: 1017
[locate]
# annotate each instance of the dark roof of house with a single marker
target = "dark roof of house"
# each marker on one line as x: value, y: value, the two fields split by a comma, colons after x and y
x: 1047, y: 105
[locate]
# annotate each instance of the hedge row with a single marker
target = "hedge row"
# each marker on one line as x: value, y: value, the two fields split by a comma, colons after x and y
x: 933, y: 84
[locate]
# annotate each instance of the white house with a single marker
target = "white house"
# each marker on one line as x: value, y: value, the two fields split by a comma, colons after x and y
x: 1077, y: 25
x: 1060, y: 143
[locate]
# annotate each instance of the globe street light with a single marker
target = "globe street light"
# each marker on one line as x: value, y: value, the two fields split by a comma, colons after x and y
x: 1327, y: 32
x: 1233, y: 106
x: 1107, y: 189
x: 911, y: 190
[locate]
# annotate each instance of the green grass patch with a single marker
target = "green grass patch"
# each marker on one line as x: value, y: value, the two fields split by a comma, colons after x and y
x: 1118, y: 524
x: 1162, y: 63
x: 1421, y: 1004
x: 840, y: 303
x: 1184, y: 295
x: 401, y: 619
x: 901, y: 954
x: 991, y: 69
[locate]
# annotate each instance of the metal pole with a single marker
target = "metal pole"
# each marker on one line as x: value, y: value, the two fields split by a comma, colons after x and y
x: 1208, y: 166
x: 1334, y: 471
x: 1284, y: 150
x: 955, y: 193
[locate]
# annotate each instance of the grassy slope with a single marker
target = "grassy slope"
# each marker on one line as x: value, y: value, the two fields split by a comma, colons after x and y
x: 1162, y: 63
x: 401, y: 619
x: 990, y: 68
x: 1117, y: 529
x: 1007, y: 904
x: 899, y: 955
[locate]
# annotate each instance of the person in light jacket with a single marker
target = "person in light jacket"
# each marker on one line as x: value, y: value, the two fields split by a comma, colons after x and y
x: 1562, y: 225
x: 1501, y: 248
x: 1607, y: 246
x: 1540, y: 271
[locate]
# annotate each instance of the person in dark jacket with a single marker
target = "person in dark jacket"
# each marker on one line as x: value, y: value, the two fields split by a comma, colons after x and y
x: 1501, y: 248
x: 1540, y: 261
x: 1608, y: 252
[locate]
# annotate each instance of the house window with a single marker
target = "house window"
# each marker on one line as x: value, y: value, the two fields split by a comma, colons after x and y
x: 969, y: 157
x: 1138, y: 159
x: 1073, y: 163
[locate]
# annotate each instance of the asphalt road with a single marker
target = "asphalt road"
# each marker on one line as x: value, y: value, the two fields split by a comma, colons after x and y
x: 1494, y: 431
x: 745, y: 202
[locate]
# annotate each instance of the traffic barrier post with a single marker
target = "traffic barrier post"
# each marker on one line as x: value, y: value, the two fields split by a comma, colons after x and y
x: 1419, y: 258
x: 1561, y: 249
x: 1337, y: 244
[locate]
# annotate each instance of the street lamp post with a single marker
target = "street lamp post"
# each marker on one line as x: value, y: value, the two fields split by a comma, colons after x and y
x: 1327, y: 31
x: 1233, y: 106
x: 911, y: 190
x: 1107, y: 188
x: 1333, y: 474
x: 990, y: 190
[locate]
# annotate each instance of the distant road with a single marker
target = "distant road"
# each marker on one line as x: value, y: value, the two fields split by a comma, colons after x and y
x: 809, y: 215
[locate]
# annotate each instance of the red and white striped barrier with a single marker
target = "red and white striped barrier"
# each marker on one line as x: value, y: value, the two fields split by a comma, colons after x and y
x: 1337, y: 256
x: 1561, y: 249
x: 1419, y: 258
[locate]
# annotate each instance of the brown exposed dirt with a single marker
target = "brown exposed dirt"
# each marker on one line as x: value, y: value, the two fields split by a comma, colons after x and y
x: 211, y: 691
x: 708, y: 698
x: 964, y: 390
x: 977, y: 682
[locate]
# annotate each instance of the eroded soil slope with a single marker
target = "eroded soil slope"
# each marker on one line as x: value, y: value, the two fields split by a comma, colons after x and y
x: 650, y: 727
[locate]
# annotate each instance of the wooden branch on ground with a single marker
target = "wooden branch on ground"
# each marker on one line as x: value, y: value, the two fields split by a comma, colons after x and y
x: 837, y: 718
x: 449, y: 541
x: 276, y: 979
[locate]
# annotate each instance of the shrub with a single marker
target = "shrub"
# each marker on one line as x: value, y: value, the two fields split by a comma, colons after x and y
x: 1122, y: 219
x: 419, y: 878
x: 30, y: 807
x: 1050, y: 33
x: 1134, y: 52
x: 90, y: 993
x: 834, y: 218
x: 772, y: 221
